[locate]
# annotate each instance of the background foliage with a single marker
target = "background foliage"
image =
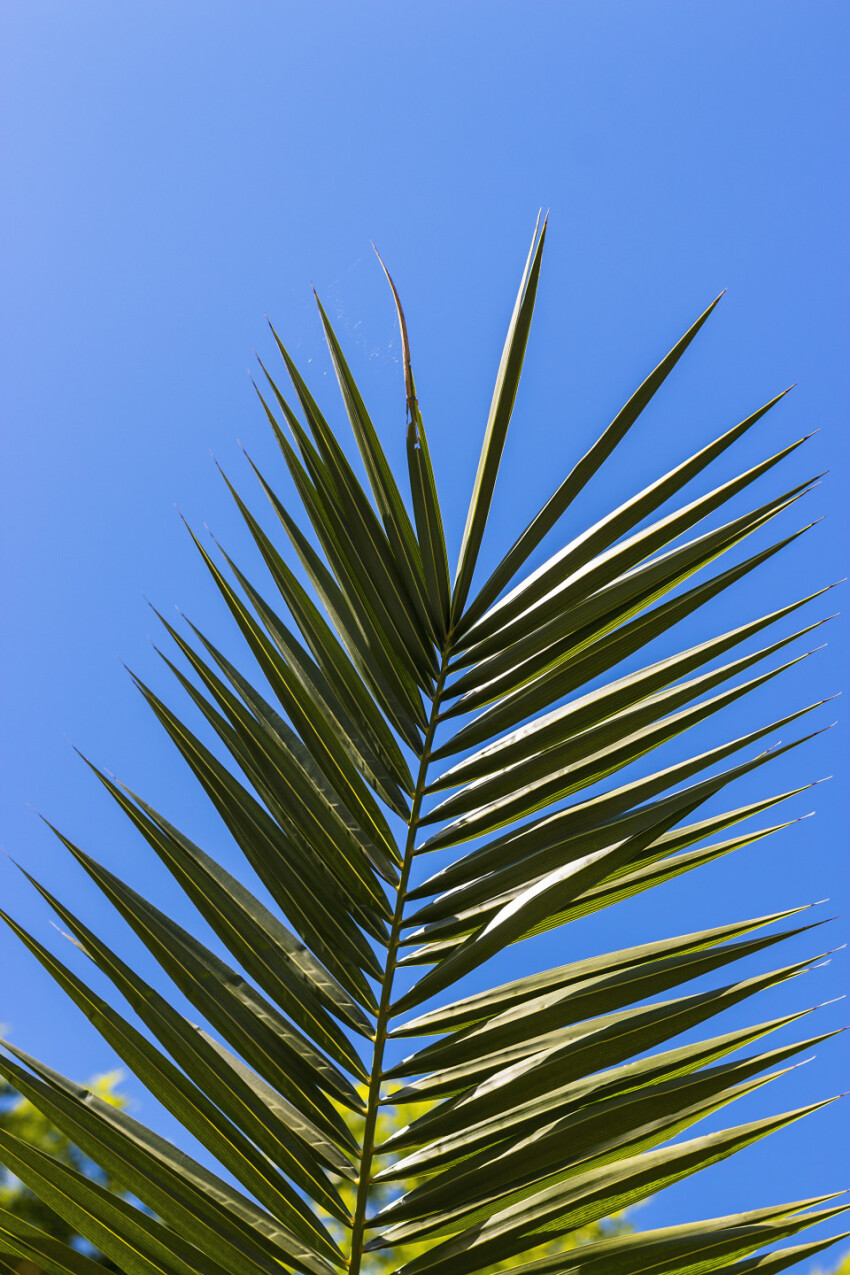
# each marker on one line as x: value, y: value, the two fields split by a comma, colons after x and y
x: 21, y: 1118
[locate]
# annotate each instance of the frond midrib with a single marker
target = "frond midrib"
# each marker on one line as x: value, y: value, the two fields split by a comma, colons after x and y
x: 385, y: 1004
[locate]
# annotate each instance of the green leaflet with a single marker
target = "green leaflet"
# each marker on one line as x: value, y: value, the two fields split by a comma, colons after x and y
x: 407, y: 556
x: 430, y: 524
x: 570, y: 1205
x: 582, y: 763
x: 520, y: 1029
x: 345, y: 512
x: 192, y: 1052
x: 355, y: 628
x: 655, y: 869
x: 423, y: 490
x: 455, y: 910
x: 569, y: 578
x: 184, y: 1099
x: 282, y: 966
x: 264, y: 1037
x: 698, y: 1246
x: 169, y: 1193
x: 20, y: 1240
x: 595, y: 706
x: 606, y: 1133
x: 588, y: 814
x: 501, y: 407
x: 521, y: 916
x: 590, y: 825
x: 243, y: 1213
x: 306, y: 716
x: 284, y: 773
x: 314, y: 823
x: 577, y: 1136
x: 486, y: 1007
x: 770, y: 1263
x: 358, y: 572
x: 592, y: 651
x: 142, y: 1245
x: 509, y: 1127
x: 400, y: 550
x: 580, y: 475
x: 280, y: 862
x: 626, y: 578
x: 364, y: 722
x: 321, y: 699
x: 569, y: 561
x: 636, y: 699
x: 439, y: 940
x: 515, y: 1074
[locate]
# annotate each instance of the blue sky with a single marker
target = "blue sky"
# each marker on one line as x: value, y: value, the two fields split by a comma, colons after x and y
x: 173, y: 172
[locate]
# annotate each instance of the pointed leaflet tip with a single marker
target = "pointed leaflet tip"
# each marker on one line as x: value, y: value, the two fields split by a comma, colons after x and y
x: 711, y: 306
x: 581, y: 474
x: 405, y: 345
x: 499, y: 416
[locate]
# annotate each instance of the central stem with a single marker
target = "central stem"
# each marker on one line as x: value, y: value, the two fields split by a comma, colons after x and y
x: 374, y: 1096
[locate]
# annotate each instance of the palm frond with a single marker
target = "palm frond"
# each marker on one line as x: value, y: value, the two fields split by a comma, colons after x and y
x: 399, y: 714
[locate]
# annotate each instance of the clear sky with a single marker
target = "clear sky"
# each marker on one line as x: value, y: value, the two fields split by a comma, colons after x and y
x: 174, y: 171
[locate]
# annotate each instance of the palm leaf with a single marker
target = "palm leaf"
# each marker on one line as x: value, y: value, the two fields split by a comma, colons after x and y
x: 397, y: 714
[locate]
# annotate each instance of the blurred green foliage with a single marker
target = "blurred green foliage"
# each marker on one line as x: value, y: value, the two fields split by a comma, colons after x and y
x: 20, y: 1117
x: 843, y: 1267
